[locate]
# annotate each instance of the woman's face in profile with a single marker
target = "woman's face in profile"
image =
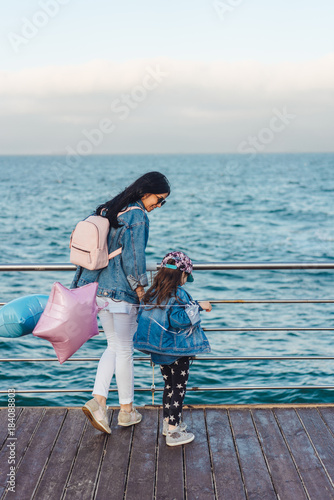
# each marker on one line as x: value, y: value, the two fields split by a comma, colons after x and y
x: 152, y: 201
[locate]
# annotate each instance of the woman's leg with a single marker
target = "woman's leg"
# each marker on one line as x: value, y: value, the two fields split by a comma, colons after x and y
x: 95, y: 409
x: 125, y: 326
x: 107, y: 363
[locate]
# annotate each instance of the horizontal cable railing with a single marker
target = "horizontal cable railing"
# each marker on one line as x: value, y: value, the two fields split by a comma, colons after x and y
x: 198, y: 358
x: 201, y: 266
x: 154, y: 389
x: 198, y: 266
x: 192, y: 389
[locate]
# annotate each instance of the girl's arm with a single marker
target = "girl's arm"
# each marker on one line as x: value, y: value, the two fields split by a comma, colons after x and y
x: 178, y: 318
x: 206, y: 305
x: 184, y: 311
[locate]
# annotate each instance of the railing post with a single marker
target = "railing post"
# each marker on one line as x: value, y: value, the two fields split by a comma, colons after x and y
x: 152, y: 385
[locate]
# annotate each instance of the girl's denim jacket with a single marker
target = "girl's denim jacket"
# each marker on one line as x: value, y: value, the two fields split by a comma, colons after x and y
x: 126, y: 271
x: 169, y: 330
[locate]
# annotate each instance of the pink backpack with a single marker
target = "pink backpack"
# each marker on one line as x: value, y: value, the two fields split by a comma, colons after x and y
x: 89, y: 242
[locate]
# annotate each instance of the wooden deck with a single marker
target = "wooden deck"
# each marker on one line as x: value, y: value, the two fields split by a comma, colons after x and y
x: 247, y: 452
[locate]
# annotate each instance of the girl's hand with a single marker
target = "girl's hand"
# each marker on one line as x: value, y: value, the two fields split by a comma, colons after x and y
x: 206, y: 305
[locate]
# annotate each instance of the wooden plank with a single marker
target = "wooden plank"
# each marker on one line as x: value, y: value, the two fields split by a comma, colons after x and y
x: 114, y: 470
x: 257, y: 480
x: 328, y: 416
x: 170, y: 483
x: 198, y: 473
x: 62, y: 456
x: 283, y: 472
x: 24, y: 430
x: 141, y: 476
x: 308, y: 464
x: 84, y: 475
x: 4, y: 423
x: 262, y: 406
x: 229, y: 485
x: 37, y: 454
x: 320, y: 436
x: 100, y: 464
x: 26, y: 426
x: 3, y: 426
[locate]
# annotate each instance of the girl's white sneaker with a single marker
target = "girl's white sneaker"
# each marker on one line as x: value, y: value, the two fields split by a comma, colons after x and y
x: 178, y: 437
x: 182, y: 427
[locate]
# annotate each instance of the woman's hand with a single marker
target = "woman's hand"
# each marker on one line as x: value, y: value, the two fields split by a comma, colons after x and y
x: 140, y: 292
x: 206, y: 305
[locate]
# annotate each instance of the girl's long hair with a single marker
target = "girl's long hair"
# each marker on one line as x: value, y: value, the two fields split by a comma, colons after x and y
x: 164, y: 285
x: 150, y: 183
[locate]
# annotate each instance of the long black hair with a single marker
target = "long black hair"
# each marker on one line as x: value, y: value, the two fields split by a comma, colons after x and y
x: 150, y: 183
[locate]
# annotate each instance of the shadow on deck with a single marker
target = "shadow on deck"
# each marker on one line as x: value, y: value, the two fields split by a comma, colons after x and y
x: 239, y: 452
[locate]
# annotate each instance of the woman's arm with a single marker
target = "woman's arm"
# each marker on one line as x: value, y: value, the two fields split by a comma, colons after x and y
x: 134, y: 242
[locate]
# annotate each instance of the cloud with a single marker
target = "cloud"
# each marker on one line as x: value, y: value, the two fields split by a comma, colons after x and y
x: 195, y: 107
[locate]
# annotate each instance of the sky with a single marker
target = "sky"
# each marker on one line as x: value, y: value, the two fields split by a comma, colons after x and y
x: 80, y: 77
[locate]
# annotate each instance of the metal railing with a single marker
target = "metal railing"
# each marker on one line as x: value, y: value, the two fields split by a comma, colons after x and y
x: 199, y: 266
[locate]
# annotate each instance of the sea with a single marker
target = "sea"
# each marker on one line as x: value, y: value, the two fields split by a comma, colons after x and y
x: 223, y: 208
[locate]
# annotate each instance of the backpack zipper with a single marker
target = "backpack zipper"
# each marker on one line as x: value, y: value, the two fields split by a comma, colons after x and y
x: 80, y: 249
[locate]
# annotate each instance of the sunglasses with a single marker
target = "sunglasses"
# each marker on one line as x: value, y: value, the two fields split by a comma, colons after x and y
x: 160, y: 201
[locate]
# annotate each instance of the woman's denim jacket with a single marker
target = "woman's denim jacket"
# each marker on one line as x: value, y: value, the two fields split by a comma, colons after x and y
x: 126, y: 271
x: 169, y: 330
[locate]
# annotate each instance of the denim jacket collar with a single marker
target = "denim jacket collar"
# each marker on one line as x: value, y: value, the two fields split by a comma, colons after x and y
x: 141, y: 204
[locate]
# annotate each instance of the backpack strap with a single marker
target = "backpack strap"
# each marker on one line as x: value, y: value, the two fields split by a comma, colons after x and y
x: 128, y: 209
x: 119, y: 250
x: 116, y: 252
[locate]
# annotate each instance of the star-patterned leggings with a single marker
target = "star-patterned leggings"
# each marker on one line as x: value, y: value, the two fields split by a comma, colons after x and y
x: 176, y: 379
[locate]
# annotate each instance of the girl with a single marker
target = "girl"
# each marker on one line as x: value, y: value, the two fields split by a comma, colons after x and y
x: 121, y: 286
x: 169, y: 329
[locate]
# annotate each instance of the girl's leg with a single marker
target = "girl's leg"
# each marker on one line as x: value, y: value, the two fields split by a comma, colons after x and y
x: 167, y: 376
x: 107, y: 363
x: 179, y: 374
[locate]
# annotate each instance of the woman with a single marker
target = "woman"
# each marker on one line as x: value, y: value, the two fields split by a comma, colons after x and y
x: 121, y: 286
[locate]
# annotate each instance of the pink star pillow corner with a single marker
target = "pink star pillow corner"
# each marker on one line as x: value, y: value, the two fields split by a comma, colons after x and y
x: 69, y: 319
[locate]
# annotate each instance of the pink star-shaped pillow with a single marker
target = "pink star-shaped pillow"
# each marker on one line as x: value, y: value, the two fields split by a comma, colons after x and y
x: 69, y: 319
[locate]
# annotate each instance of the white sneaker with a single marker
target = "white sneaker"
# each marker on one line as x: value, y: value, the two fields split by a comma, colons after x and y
x: 97, y: 415
x: 177, y: 437
x: 182, y: 427
x: 126, y: 418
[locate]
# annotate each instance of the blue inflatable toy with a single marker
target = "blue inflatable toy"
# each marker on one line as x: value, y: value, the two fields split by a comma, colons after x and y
x: 20, y: 316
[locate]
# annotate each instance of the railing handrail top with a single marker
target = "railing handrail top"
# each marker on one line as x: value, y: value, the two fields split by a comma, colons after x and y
x: 197, y: 358
x: 198, y: 266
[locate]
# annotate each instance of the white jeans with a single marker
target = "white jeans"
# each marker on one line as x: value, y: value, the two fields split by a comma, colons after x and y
x: 119, y: 328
